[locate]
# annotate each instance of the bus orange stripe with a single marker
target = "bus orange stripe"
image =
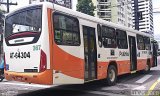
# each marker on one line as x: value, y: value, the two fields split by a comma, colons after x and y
x: 68, y: 64
x: 49, y: 11
x: 51, y: 37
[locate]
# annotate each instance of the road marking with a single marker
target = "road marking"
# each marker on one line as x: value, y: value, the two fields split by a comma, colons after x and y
x: 103, y: 93
x: 143, y: 79
x: 140, y: 88
x: 152, y: 87
x: 29, y: 85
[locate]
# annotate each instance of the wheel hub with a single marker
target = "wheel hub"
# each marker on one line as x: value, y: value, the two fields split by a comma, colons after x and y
x: 112, y: 75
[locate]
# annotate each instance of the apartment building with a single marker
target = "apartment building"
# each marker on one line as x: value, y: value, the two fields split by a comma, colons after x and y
x: 65, y: 3
x: 117, y: 11
x: 143, y: 15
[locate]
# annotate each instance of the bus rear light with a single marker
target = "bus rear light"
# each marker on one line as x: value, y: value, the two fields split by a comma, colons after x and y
x: 43, y: 61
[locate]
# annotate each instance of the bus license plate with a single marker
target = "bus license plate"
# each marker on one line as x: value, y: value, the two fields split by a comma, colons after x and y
x: 18, y: 55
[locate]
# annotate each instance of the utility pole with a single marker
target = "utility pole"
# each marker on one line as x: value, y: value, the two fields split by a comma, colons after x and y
x: 136, y: 10
x: 8, y: 4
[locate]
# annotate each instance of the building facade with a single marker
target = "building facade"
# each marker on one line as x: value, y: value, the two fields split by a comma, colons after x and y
x: 65, y: 3
x: 116, y: 11
x: 143, y: 16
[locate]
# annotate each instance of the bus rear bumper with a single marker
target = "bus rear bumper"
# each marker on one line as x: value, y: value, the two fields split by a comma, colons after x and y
x: 45, y: 77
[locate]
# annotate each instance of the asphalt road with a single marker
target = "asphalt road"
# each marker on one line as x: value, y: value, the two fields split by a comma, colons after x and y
x: 130, y: 84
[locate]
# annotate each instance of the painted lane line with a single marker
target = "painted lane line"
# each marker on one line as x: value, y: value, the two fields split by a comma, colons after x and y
x: 152, y: 87
x: 143, y: 79
x: 159, y: 79
x: 140, y: 88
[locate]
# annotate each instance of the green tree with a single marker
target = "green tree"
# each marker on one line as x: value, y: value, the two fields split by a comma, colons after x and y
x: 86, y: 6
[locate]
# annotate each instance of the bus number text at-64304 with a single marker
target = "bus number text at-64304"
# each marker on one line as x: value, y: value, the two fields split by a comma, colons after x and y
x: 19, y: 55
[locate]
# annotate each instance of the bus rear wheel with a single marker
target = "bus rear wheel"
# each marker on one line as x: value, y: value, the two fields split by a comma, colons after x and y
x: 1, y: 77
x: 147, y: 68
x: 111, y: 75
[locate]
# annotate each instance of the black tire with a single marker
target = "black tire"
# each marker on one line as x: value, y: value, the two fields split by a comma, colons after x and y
x: 147, y: 69
x: 1, y: 78
x: 111, y: 75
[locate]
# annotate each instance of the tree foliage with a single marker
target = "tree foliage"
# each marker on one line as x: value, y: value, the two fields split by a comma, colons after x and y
x: 86, y: 6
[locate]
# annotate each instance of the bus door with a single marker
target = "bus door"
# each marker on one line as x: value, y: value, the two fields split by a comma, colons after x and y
x: 90, y: 53
x: 133, y: 53
x: 154, y: 55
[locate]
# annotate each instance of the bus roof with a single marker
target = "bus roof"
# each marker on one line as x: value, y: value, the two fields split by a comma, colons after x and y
x: 97, y: 20
x: 85, y: 16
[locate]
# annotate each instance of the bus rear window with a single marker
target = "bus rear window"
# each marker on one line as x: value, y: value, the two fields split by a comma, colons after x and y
x: 24, y: 23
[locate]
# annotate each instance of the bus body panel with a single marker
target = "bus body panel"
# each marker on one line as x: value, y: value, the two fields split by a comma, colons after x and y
x: 30, y: 63
x: 66, y: 64
x: 38, y: 78
x: 24, y: 62
x: 65, y: 60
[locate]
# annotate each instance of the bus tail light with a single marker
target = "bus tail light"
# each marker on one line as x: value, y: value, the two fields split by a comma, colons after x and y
x: 43, y: 61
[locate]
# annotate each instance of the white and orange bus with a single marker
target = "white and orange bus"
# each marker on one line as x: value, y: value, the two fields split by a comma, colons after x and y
x: 49, y: 44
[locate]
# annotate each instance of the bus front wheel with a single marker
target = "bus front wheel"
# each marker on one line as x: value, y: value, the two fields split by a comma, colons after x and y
x: 111, y: 75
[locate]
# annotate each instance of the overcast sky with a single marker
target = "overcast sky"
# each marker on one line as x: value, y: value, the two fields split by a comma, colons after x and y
x: 21, y: 3
x: 156, y: 17
x: 156, y: 7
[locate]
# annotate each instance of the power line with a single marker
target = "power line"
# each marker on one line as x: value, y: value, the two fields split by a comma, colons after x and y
x: 156, y: 12
x: 157, y: 8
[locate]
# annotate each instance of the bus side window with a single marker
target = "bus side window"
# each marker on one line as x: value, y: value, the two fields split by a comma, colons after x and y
x: 121, y: 39
x: 147, y: 43
x: 140, y: 42
x: 108, y: 37
x: 66, y: 30
x: 99, y: 35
